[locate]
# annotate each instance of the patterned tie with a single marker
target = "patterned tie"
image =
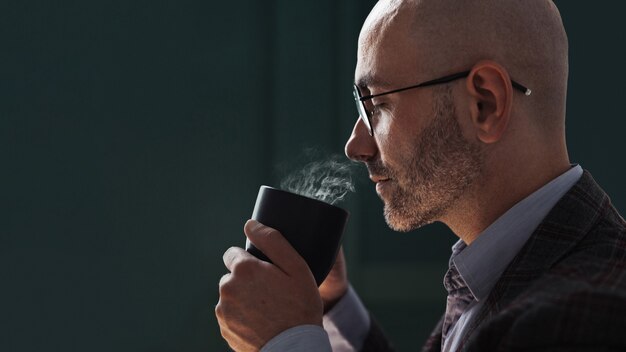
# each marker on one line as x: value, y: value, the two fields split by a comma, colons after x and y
x: 459, y: 297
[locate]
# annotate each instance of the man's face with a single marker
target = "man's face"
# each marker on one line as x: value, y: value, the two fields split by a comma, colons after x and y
x: 423, y: 179
x: 418, y: 156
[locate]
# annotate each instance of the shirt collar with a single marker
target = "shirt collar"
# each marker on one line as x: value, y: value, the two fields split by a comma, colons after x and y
x: 481, y: 264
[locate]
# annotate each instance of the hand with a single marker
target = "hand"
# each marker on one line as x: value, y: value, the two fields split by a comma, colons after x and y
x: 259, y: 300
x: 336, y: 283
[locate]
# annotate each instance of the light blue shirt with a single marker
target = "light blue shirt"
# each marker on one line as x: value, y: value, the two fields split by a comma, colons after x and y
x: 481, y: 264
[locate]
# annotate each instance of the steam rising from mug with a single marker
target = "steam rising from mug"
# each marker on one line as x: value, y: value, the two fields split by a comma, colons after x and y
x: 328, y: 181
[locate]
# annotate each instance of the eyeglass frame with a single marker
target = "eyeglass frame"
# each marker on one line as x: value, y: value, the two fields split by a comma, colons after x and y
x: 365, y: 115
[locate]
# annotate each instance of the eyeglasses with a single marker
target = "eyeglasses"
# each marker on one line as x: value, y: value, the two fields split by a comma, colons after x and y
x: 365, y: 114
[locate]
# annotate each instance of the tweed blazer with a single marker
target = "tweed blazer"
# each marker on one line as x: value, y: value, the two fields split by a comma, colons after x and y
x: 564, y: 291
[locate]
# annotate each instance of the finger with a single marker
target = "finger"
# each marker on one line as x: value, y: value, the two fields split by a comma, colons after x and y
x: 224, y: 279
x: 340, y: 260
x: 272, y: 243
x: 235, y: 255
x: 244, y: 265
x: 337, y: 276
x: 339, y: 269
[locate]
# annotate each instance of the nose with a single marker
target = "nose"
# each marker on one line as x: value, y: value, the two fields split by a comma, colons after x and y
x: 361, y: 146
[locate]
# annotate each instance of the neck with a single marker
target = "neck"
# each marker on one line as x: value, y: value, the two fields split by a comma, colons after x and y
x: 498, y: 191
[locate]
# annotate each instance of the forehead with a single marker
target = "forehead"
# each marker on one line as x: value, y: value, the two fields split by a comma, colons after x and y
x: 387, y: 51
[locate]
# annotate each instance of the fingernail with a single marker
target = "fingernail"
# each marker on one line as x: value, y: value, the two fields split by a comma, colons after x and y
x: 255, y: 225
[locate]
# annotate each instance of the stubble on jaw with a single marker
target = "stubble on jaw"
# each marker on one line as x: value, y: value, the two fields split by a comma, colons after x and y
x: 441, y: 168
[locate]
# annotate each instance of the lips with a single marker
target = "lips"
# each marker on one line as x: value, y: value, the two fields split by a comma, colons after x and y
x: 377, y: 179
x: 381, y: 182
x: 382, y: 187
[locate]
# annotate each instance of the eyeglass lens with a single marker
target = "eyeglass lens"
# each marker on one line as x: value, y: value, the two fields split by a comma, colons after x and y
x: 360, y: 105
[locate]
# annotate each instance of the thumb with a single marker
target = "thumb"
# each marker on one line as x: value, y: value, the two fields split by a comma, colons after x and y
x: 274, y: 245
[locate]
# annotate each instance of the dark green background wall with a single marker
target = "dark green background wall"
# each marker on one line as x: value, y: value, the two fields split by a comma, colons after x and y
x: 134, y: 136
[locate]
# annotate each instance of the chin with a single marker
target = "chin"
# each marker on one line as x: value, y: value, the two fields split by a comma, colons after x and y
x: 400, y: 221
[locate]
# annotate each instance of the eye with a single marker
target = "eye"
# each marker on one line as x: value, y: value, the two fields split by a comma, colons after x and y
x: 376, y: 110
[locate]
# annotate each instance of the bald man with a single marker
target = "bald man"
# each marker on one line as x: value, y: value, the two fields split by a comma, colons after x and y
x: 461, y: 120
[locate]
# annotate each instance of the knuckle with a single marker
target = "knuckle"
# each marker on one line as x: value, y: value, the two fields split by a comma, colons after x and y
x: 244, y: 268
x: 219, y: 310
x: 272, y: 234
x: 271, y: 238
x: 226, y: 288
x: 224, y: 280
x: 224, y: 314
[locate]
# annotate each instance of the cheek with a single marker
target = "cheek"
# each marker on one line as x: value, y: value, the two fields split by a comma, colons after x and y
x: 397, y: 134
x: 389, y: 124
x: 395, y: 148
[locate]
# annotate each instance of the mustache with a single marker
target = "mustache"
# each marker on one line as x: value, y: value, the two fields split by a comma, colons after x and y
x: 378, y: 169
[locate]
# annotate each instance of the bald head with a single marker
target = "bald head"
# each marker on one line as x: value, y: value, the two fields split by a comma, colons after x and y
x: 498, y: 145
x: 444, y: 36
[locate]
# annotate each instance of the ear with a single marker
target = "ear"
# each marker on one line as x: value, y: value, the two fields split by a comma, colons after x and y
x: 491, y: 95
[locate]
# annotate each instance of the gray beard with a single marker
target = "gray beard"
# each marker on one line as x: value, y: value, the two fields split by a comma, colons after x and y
x: 441, y: 169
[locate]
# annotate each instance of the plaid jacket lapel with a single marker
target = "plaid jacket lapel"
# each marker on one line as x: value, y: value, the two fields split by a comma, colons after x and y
x: 565, y: 225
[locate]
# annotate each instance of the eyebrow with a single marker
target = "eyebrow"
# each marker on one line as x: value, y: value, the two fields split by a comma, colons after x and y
x: 369, y: 80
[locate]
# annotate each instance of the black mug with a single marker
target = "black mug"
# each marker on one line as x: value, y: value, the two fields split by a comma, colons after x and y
x: 312, y: 227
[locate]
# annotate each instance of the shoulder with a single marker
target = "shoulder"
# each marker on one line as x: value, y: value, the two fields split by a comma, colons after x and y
x: 578, y: 303
x: 574, y: 320
x: 568, y: 289
x: 598, y: 261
